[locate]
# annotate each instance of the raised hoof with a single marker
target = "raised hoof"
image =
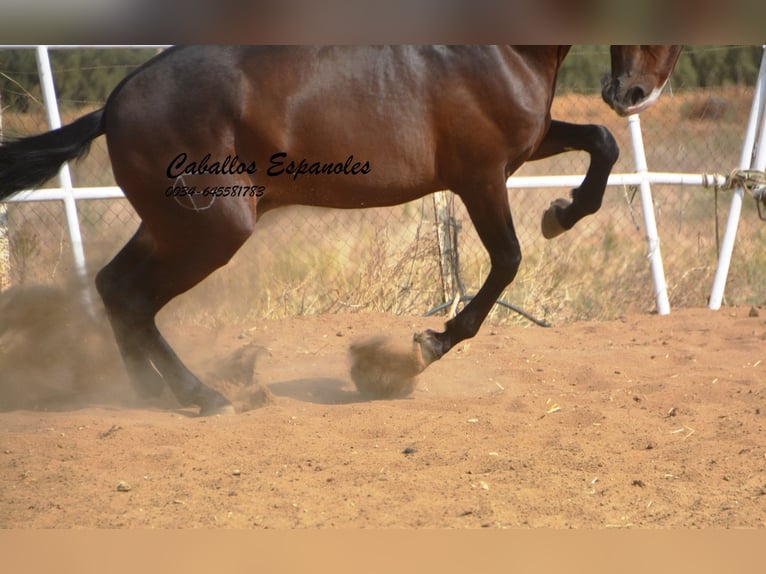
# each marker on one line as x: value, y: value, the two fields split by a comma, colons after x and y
x: 431, y: 348
x: 550, y: 224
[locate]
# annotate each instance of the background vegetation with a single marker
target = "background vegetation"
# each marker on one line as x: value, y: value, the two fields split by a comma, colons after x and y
x: 87, y: 76
x: 698, y: 67
x: 82, y: 77
x: 303, y: 261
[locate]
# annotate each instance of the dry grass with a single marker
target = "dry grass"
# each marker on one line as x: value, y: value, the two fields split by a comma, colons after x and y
x: 303, y: 260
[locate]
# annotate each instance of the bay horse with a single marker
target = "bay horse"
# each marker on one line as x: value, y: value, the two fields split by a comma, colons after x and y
x: 205, y: 140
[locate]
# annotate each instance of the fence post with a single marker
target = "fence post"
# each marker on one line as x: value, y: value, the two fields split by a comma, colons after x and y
x: 650, y: 224
x: 757, y: 114
x: 5, y: 247
x: 446, y: 235
x: 65, y: 177
x: 5, y: 250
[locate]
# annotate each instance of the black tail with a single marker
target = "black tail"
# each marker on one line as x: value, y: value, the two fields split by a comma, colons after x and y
x: 27, y: 163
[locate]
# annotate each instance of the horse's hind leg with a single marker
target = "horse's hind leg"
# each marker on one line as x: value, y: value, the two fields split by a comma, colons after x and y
x: 600, y: 145
x: 144, y: 377
x: 135, y: 286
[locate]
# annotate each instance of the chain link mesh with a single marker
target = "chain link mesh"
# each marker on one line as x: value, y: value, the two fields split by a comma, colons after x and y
x: 307, y: 260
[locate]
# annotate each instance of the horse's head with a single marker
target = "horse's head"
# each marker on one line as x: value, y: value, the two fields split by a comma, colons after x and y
x: 638, y: 75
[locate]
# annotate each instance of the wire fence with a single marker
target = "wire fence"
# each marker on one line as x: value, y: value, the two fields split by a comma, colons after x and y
x: 307, y: 260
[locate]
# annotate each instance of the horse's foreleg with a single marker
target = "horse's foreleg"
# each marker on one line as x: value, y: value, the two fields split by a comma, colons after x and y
x: 603, y: 150
x: 491, y: 215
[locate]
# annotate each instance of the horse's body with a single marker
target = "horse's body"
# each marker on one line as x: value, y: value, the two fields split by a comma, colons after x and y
x: 256, y: 128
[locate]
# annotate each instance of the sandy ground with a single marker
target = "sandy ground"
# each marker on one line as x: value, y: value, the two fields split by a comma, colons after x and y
x: 644, y: 422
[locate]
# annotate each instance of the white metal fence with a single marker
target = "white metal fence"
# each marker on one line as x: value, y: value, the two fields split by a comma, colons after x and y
x: 634, y: 174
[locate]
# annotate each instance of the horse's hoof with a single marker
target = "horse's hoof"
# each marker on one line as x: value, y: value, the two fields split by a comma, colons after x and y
x: 220, y: 410
x: 209, y: 411
x: 214, y: 403
x: 431, y: 348
x: 550, y: 224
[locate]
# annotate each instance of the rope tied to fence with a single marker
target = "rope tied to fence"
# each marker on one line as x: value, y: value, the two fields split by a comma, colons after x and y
x: 751, y: 180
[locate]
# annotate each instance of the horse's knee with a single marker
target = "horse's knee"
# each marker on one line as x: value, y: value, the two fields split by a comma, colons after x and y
x: 604, y: 145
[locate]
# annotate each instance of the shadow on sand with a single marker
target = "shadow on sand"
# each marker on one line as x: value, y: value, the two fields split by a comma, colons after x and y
x: 323, y: 391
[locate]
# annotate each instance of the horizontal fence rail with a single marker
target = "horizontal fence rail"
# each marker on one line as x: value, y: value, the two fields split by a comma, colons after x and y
x: 640, y: 179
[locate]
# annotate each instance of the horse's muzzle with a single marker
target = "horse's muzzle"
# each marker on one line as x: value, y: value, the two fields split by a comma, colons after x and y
x: 625, y: 100
x: 609, y: 94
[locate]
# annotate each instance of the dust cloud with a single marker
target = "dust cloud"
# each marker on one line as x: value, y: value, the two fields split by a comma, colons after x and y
x: 236, y: 376
x: 380, y: 369
x: 53, y: 354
